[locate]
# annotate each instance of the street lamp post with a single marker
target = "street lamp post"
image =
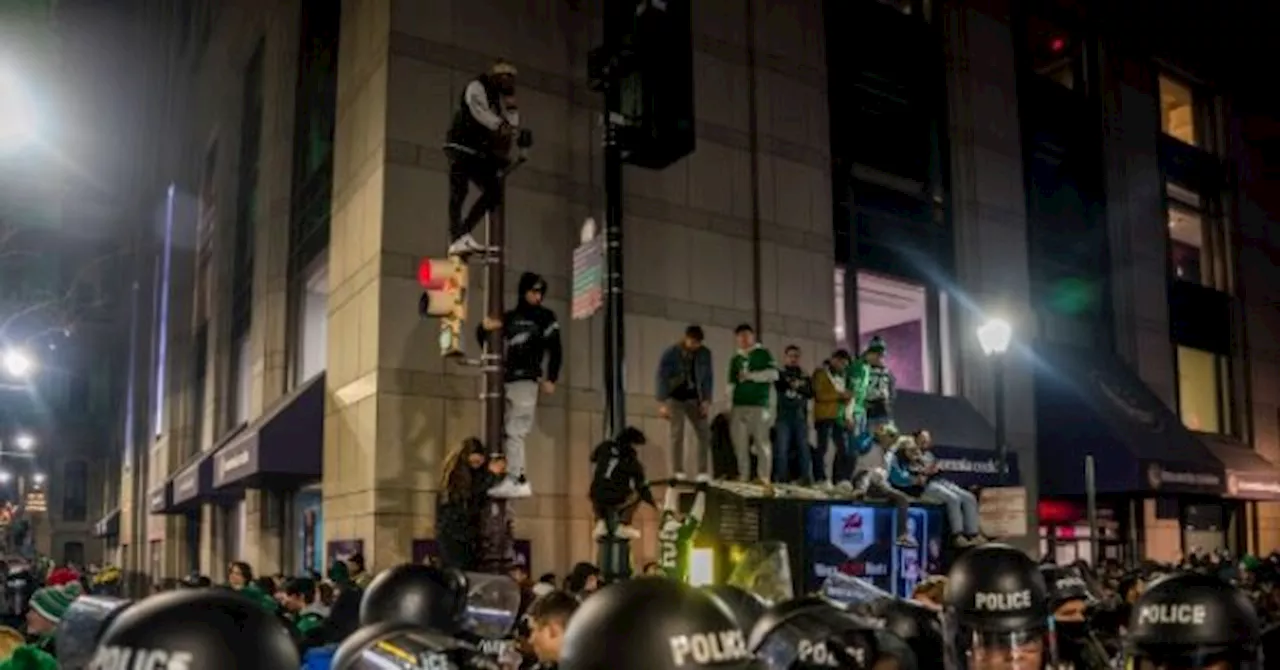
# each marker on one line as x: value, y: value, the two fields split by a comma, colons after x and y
x: 994, y: 336
x: 17, y: 363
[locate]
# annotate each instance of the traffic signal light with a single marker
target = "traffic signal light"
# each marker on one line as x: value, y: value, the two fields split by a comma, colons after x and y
x: 444, y: 283
x: 648, y: 55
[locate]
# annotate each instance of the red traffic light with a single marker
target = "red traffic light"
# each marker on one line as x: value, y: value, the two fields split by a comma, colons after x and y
x: 435, y: 274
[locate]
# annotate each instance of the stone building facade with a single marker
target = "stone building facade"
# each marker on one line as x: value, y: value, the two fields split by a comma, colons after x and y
x: 747, y: 229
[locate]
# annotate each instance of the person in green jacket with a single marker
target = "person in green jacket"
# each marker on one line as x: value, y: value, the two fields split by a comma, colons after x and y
x: 46, y: 609
x: 676, y: 532
x: 752, y: 373
x: 306, y: 615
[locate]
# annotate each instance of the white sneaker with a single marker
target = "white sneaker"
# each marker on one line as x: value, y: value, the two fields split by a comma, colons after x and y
x: 678, y: 476
x: 845, y: 486
x: 628, y: 532
x: 703, y: 478
x: 600, y: 529
x: 511, y: 488
x: 466, y: 245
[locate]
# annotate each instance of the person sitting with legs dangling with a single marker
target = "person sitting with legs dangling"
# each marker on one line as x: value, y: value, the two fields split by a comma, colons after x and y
x: 916, y: 475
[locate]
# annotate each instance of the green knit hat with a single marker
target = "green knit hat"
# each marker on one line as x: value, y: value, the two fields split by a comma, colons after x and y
x: 51, y: 602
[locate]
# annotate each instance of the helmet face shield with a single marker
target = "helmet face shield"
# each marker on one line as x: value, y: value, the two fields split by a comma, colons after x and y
x: 970, y: 649
x: 1019, y: 650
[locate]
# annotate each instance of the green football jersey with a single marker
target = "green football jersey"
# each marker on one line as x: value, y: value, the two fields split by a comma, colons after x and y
x: 675, y: 544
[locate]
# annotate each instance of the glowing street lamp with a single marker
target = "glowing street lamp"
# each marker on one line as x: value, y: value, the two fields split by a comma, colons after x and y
x: 5, y: 476
x: 18, y: 117
x: 24, y: 441
x: 38, y: 478
x: 17, y: 363
x: 995, y: 336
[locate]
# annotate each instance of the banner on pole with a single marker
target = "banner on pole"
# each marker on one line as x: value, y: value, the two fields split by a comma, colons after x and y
x: 588, y: 273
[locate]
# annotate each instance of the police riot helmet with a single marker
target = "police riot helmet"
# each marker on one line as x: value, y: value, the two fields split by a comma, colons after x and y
x: 197, y: 629
x: 815, y: 634
x: 1194, y: 620
x: 1064, y: 586
x: 652, y: 623
x: 81, y: 626
x: 398, y: 644
x: 996, y: 607
x: 744, y: 607
x: 917, y: 626
x: 423, y: 595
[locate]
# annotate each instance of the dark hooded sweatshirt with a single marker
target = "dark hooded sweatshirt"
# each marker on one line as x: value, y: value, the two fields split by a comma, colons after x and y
x: 531, y: 333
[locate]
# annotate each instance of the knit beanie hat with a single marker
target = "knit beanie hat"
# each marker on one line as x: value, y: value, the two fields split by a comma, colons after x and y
x: 51, y: 602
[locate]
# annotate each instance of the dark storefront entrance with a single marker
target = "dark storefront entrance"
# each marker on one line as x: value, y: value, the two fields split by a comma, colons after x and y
x: 1155, y: 477
x: 279, y: 454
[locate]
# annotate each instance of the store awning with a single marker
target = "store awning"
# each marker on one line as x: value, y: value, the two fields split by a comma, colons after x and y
x: 192, y: 484
x: 109, y: 525
x: 1091, y: 403
x: 1249, y: 475
x: 964, y: 442
x: 282, y: 450
x: 160, y: 498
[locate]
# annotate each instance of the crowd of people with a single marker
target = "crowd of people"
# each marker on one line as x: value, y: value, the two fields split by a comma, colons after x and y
x: 995, y: 609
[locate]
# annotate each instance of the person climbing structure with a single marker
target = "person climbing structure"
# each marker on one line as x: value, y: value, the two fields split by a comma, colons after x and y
x: 676, y: 530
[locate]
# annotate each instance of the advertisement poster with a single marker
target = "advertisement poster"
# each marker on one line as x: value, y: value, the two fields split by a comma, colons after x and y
x: 860, y: 541
x: 522, y: 552
x: 310, y: 532
x: 341, y: 550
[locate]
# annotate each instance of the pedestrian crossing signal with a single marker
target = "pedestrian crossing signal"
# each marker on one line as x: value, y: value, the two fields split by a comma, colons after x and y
x: 444, y: 283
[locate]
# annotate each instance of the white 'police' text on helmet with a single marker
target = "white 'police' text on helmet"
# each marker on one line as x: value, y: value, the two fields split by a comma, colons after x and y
x: 1192, y: 620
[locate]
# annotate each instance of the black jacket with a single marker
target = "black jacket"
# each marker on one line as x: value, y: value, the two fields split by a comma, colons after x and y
x: 531, y: 333
x: 473, y: 134
x: 617, y: 474
x: 458, y: 521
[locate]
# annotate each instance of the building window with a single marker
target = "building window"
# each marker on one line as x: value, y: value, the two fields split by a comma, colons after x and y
x: 75, y: 491
x: 1196, y: 241
x: 199, y: 375
x: 312, y: 321
x: 247, y: 194
x: 1204, y: 390
x: 73, y: 554
x: 899, y: 312
x: 315, y: 119
x: 1178, y: 111
x: 241, y: 381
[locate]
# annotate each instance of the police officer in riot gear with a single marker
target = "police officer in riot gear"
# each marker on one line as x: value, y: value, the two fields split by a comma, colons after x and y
x: 1070, y: 600
x: 423, y: 595
x: 745, y: 607
x: 415, y: 616
x: 395, y: 644
x: 196, y: 629
x: 917, y: 626
x: 1193, y: 621
x: 652, y: 623
x: 811, y: 633
x: 996, y: 612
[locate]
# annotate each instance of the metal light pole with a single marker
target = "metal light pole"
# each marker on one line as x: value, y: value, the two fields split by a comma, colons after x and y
x: 994, y: 336
x: 614, y: 344
x: 496, y: 528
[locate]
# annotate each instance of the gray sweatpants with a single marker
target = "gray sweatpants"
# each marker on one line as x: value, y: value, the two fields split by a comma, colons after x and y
x: 747, y: 425
x: 522, y: 402
x: 681, y: 411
